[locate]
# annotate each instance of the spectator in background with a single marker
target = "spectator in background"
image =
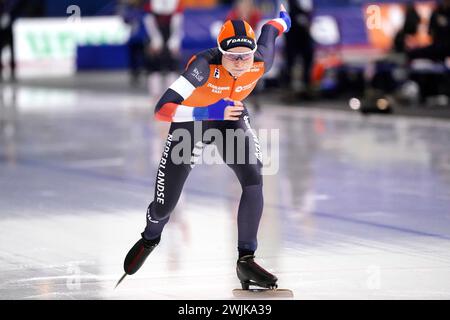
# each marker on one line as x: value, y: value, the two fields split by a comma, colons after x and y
x: 383, y: 79
x: 226, y: 2
x: 164, y: 24
x: 439, y: 29
x: 410, y: 28
x: 133, y: 14
x: 299, y: 43
x: 245, y: 10
x: 10, y: 10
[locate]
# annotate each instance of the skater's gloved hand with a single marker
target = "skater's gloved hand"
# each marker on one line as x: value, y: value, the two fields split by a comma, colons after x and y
x: 233, y: 112
x: 283, y: 22
x: 224, y: 109
x: 284, y: 15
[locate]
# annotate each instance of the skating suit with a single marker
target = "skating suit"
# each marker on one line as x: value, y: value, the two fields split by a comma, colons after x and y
x: 194, y: 102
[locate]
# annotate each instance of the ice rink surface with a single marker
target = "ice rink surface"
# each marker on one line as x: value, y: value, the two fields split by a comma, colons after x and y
x: 359, y: 207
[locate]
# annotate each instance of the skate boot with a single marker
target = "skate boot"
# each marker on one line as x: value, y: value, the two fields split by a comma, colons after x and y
x: 250, y: 273
x: 137, y: 255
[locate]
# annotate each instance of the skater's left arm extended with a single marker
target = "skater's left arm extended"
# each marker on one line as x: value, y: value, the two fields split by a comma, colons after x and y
x: 269, y: 32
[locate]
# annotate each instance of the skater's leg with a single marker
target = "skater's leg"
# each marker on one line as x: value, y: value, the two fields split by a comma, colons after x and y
x: 169, y: 183
x: 249, y: 215
x: 249, y: 174
x: 251, y: 204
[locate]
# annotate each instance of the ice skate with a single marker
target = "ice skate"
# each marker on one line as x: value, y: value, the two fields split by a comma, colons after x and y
x: 136, y: 257
x: 251, y: 274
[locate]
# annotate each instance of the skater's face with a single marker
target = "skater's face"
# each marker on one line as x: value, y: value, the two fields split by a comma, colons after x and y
x: 238, y: 61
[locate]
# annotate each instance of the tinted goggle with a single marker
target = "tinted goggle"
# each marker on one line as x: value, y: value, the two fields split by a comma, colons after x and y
x: 235, y: 56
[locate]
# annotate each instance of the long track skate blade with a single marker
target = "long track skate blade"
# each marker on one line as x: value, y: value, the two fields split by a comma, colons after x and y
x: 120, y: 280
x: 263, y: 293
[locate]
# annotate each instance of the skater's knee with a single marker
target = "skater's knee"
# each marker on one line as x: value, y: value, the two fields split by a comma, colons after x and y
x: 158, y: 212
x: 251, y: 178
x: 253, y: 192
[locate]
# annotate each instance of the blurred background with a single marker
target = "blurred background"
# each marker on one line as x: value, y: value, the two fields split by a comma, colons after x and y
x: 383, y: 54
x: 359, y: 96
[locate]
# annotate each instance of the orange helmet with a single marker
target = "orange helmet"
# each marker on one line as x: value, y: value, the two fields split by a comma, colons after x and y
x: 236, y: 33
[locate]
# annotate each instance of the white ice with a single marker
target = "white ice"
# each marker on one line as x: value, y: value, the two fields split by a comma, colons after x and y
x: 359, y: 208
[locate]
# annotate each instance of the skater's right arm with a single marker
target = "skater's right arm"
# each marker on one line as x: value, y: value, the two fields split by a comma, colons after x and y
x: 170, y: 109
x: 269, y: 32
